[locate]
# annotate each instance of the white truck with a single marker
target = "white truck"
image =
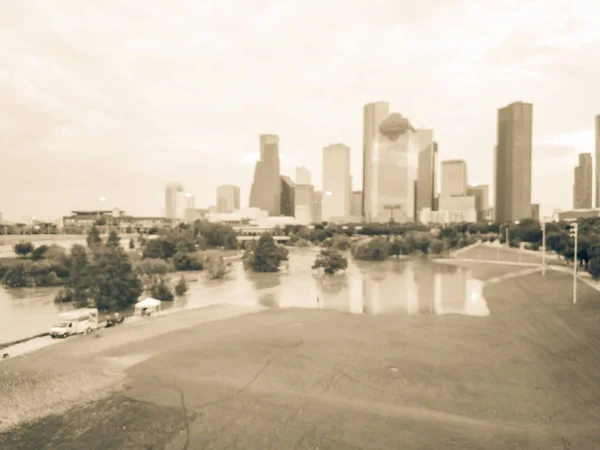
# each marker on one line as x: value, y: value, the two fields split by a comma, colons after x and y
x: 74, y: 322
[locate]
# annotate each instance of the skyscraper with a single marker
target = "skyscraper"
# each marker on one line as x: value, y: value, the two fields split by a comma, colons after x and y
x: 228, y: 198
x: 288, y: 189
x: 454, y: 178
x: 373, y: 115
x: 513, y: 162
x: 426, y: 172
x: 582, y: 182
x: 395, y: 161
x: 302, y: 175
x: 303, y: 203
x: 482, y: 199
x: 171, y: 199
x: 597, y: 127
x: 266, y: 187
x: 356, y: 202
x: 190, y: 201
x: 336, y: 182
x: 317, y: 215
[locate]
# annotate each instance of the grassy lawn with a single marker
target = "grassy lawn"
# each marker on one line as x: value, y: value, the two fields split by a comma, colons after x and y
x: 500, y: 254
x: 482, y: 271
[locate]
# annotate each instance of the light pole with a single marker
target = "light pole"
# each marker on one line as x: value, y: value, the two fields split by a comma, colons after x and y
x: 543, y: 226
x: 574, y: 233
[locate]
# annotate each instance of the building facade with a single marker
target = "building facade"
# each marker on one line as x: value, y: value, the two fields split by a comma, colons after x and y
x: 336, y: 182
x: 460, y: 208
x: 426, y: 182
x: 454, y: 178
x: 173, y: 196
x: 582, y: 182
x: 356, y: 203
x: 228, y: 198
x: 481, y: 192
x: 597, y: 132
x: 266, y: 186
x: 317, y: 216
x: 303, y: 175
x: 535, y: 211
x: 288, y: 188
x: 513, y: 162
x: 303, y: 205
x: 373, y: 115
x: 395, y: 160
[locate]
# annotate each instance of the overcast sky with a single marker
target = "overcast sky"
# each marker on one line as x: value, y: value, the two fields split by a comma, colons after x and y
x: 116, y: 98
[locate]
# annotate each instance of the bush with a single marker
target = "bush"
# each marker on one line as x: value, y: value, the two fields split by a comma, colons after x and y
x: 397, y: 248
x: 340, y: 242
x: 187, y: 261
x: 436, y: 246
x: 160, y: 290
x: 302, y: 243
x: 217, y: 268
x: 267, y: 256
x: 153, y: 267
x: 131, y: 244
x: 181, y: 287
x: 39, y: 253
x: 331, y: 260
x: 373, y: 249
x: 23, y: 248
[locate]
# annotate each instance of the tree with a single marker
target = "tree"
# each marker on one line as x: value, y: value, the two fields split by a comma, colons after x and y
x: 436, y: 247
x: 131, y: 244
x: 181, y: 287
x: 396, y: 248
x: 372, y: 249
x: 113, y: 240
x: 594, y: 267
x: 160, y: 290
x: 187, y: 261
x: 93, y: 237
x: 331, y: 260
x: 39, y: 252
x: 267, y: 256
x: 23, y: 248
x: 217, y: 268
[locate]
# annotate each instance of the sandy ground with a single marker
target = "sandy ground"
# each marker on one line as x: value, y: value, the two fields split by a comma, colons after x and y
x: 526, y: 377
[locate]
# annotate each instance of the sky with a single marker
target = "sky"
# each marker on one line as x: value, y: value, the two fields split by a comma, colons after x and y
x: 117, y: 98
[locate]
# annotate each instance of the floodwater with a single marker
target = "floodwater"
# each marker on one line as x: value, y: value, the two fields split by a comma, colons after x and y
x: 409, y: 286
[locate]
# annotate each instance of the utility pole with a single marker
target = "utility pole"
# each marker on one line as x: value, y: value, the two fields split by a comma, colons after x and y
x: 574, y: 233
x: 543, y: 225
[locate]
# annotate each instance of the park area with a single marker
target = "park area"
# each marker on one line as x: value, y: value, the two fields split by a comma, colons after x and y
x: 526, y: 376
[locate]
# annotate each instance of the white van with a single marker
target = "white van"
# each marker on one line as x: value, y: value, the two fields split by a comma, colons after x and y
x: 75, y: 322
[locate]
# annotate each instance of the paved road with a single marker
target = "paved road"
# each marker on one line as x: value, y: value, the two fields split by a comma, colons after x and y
x: 524, y: 377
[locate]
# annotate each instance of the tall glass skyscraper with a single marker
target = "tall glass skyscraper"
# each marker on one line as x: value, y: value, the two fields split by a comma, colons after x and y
x: 266, y: 187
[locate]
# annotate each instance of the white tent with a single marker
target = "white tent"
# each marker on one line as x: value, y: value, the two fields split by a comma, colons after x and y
x: 148, y: 305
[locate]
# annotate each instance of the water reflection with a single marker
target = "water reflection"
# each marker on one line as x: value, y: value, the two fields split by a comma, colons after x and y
x: 415, y: 286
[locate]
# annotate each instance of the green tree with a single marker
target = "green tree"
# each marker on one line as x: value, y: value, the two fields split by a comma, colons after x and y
x: 39, y: 252
x: 594, y: 267
x: 396, y: 248
x: 23, y: 248
x: 331, y: 260
x: 113, y: 240
x: 181, y: 287
x: 372, y: 249
x: 131, y: 244
x: 436, y: 246
x: 187, y: 261
x: 217, y: 268
x: 160, y: 290
x: 267, y: 256
x: 93, y: 237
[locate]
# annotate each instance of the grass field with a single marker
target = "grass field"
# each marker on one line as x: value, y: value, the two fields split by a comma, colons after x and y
x: 486, y: 252
x: 524, y: 377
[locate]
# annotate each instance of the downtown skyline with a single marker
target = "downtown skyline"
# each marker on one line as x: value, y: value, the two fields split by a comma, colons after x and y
x: 112, y: 125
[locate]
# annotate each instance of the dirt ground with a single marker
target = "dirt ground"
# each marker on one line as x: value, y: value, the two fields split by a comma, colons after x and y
x: 526, y: 377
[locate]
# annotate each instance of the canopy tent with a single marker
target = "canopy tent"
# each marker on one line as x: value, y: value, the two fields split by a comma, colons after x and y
x: 148, y: 305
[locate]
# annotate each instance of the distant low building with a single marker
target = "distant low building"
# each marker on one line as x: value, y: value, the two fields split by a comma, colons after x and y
x: 240, y: 217
x: 116, y: 219
x: 193, y: 214
x: 576, y: 214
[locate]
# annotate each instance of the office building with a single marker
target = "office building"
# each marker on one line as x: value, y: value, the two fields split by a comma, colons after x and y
x: 228, y: 198
x: 190, y: 201
x: 302, y: 175
x: 454, y: 178
x: 426, y: 183
x: 597, y: 132
x: 336, y: 182
x: 395, y: 157
x: 513, y: 162
x: 582, y: 182
x: 356, y: 202
x: 373, y: 115
x: 482, y: 200
x: 266, y: 187
x: 288, y: 189
x: 317, y: 216
x: 173, y: 195
x: 303, y: 203
x: 535, y: 210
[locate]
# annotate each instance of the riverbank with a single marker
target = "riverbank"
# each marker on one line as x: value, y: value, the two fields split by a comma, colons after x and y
x: 316, y: 378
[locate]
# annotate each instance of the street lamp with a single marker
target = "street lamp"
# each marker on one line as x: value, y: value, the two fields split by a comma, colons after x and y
x: 574, y: 234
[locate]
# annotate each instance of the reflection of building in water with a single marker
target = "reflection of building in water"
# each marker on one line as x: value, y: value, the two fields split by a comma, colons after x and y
x: 371, y: 296
x: 394, y: 293
x: 450, y: 290
x: 475, y: 305
x: 334, y: 292
x: 356, y: 295
x: 425, y: 284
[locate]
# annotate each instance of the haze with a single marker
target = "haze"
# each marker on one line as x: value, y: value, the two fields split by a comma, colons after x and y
x: 117, y: 98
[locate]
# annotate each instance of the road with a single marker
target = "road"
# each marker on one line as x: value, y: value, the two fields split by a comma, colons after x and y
x: 524, y: 377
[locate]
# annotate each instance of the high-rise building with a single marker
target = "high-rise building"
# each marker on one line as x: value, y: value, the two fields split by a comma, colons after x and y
x: 266, y: 187
x: 288, y: 189
x: 426, y: 172
x: 535, y: 211
x: 597, y: 132
x: 173, y: 196
x: 303, y: 203
x: 317, y: 216
x: 513, y: 162
x: 336, y: 182
x: 395, y: 159
x: 228, y: 198
x: 190, y: 201
x: 356, y: 202
x: 482, y: 200
x: 582, y: 182
x: 454, y: 178
x: 373, y: 115
x: 302, y: 175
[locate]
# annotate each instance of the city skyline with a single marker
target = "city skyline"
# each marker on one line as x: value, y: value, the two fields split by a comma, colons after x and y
x: 127, y: 106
